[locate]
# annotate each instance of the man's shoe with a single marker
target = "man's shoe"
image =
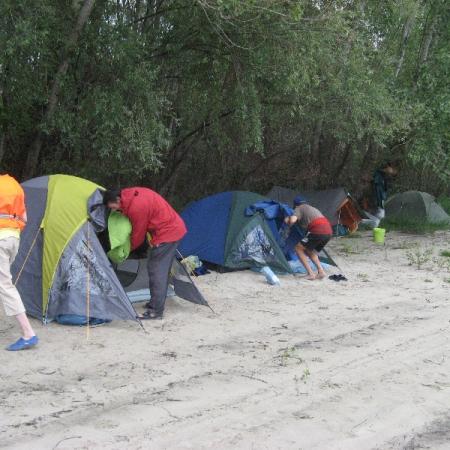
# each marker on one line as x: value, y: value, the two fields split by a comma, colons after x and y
x: 23, y: 344
x: 151, y: 315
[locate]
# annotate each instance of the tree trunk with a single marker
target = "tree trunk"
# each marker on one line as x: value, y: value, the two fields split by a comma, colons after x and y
x: 33, y: 156
x: 365, y: 171
x: 317, y: 156
x: 343, y: 162
x: 427, y: 43
x: 316, y: 140
x: 362, y: 7
x: 406, y: 32
x: 185, y: 145
x: 425, y: 48
x: 2, y: 146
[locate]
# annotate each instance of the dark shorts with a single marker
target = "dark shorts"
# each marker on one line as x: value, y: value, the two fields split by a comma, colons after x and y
x: 315, y: 241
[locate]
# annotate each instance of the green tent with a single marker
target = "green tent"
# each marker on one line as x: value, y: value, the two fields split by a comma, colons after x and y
x: 415, y: 205
x: 221, y: 233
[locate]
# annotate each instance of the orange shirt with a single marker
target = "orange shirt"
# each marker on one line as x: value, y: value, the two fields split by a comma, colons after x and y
x: 12, y: 203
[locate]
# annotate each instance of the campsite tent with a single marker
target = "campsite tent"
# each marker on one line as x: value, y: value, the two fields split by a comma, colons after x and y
x: 220, y: 232
x: 415, y: 205
x: 335, y: 204
x: 61, y: 268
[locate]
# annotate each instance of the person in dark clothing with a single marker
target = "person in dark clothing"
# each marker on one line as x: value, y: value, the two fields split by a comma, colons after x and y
x: 318, y: 233
x: 380, y: 184
x: 376, y: 191
x: 148, y: 212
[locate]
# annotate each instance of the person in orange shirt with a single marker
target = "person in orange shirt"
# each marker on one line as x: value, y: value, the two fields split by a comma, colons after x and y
x: 12, y: 221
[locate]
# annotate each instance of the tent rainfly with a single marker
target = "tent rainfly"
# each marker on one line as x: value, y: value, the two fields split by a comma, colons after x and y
x: 415, y: 205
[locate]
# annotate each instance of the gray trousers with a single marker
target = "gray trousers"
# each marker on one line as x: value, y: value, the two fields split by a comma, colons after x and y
x: 159, y: 263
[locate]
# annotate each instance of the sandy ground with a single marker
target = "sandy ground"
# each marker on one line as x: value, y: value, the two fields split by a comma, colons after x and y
x: 362, y: 364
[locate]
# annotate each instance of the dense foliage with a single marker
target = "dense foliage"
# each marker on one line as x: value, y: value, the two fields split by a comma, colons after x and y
x: 196, y: 96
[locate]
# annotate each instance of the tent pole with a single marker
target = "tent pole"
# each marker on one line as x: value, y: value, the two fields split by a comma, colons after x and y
x: 182, y: 257
x: 28, y: 255
x: 327, y: 253
x: 88, y: 293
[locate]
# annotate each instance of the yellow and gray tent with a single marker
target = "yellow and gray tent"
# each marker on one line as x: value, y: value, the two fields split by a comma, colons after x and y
x: 62, y: 268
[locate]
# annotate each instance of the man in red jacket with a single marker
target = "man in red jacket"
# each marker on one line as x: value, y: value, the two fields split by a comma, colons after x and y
x: 149, y: 212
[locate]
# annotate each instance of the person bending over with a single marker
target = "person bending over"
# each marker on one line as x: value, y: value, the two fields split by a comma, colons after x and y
x: 318, y: 233
x: 149, y: 212
x: 12, y: 221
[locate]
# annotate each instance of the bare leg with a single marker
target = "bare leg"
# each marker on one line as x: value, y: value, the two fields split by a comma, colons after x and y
x: 300, y: 250
x: 315, y: 259
x: 27, y: 331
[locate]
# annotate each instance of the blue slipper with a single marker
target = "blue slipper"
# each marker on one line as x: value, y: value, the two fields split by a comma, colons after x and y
x: 23, y: 344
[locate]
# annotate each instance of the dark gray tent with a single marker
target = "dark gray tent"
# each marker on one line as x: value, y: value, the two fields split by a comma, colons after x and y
x: 335, y: 204
x: 415, y: 205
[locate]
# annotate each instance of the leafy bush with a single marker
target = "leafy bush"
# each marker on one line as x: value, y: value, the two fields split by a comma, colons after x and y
x: 444, y: 201
x: 413, y: 226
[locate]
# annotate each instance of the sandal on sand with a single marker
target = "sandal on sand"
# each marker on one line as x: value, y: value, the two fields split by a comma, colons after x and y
x: 337, y: 277
x: 151, y: 315
x: 23, y: 344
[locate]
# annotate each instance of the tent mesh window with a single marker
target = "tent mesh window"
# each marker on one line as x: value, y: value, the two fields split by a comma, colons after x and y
x: 255, y: 246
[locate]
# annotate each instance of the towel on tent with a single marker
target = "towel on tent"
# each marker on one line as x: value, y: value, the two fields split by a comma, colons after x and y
x: 275, y: 213
x: 119, y: 230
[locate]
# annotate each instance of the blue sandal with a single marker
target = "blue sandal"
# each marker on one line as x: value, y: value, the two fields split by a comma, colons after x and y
x: 23, y: 344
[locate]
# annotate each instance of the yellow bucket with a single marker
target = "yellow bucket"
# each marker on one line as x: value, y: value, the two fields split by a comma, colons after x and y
x: 378, y: 235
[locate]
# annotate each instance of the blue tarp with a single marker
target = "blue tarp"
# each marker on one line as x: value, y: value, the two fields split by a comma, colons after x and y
x: 77, y: 320
x: 270, y: 209
x: 275, y: 213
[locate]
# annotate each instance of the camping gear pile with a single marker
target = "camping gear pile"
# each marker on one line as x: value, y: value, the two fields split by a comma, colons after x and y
x: 74, y: 264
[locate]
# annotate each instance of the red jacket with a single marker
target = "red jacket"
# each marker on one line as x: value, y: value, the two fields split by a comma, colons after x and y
x: 149, y: 212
